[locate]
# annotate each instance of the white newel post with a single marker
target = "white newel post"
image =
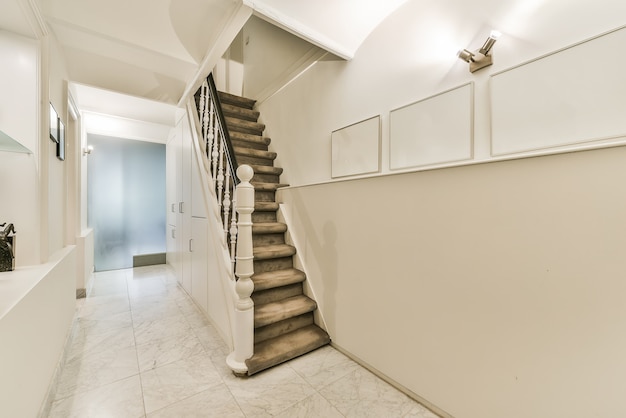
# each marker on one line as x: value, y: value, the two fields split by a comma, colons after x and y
x: 243, y: 335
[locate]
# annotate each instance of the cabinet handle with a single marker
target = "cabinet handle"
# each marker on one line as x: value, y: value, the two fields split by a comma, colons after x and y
x: 190, y: 245
x: 174, y: 207
x: 181, y: 207
x: 173, y: 233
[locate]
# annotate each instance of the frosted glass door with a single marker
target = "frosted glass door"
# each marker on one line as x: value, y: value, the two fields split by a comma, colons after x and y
x: 126, y: 200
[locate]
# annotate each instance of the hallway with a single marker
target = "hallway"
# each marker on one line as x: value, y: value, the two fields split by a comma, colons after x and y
x: 140, y: 348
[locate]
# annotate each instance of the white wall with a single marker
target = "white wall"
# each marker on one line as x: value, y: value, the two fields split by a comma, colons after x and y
x: 57, y: 169
x: 271, y: 58
x: 34, y: 331
x: 19, y: 118
x: 492, y: 290
x: 412, y: 56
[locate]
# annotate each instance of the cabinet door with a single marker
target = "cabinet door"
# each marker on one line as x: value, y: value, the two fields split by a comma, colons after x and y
x: 184, y: 204
x: 199, y: 259
x: 171, y: 176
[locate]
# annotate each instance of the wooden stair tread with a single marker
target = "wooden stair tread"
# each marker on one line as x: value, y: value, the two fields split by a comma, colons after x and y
x: 268, y: 155
x: 264, y: 169
x: 240, y: 112
x: 272, y: 279
x: 231, y: 99
x: 288, y: 346
x: 245, y: 125
x: 270, y: 313
x: 283, y: 315
x: 251, y: 138
x: 268, y: 252
x: 265, y: 206
x: 268, y: 186
x: 268, y: 228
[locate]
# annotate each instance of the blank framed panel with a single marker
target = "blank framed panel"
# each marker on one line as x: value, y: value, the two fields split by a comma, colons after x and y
x: 572, y: 96
x: 356, y: 148
x: 436, y: 130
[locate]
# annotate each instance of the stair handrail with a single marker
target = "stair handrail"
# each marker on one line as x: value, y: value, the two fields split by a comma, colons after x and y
x: 230, y: 153
x: 220, y: 153
x: 232, y: 180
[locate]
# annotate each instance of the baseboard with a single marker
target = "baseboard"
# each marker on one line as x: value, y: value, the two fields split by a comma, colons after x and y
x: 149, y: 259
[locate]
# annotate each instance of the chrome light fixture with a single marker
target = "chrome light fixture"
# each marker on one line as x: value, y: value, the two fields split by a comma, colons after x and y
x: 481, y: 58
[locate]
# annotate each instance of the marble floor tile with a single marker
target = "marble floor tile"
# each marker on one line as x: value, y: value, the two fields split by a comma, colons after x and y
x: 362, y: 394
x: 167, y: 350
x: 96, y: 305
x: 93, y: 340
x: 140, y: 347
x: 323, y: 366
x: 177, y: 381
x: 147, y: 287
x: 155, y: 329
x: 313, y: 406
x: 215, y: 402
x: 196, y: 319
x: 103, y: 322
x: 120, y: 399
x: 153, y: 310
x: 209, y: 338
x: 92, y: 300
x: 150, y: 272
x: 269, y: 393
x: 188, y: 308
x: 93, y: 369
x: 108, y: 285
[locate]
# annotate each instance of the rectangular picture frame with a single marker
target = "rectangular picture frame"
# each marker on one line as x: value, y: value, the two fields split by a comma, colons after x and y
x: 61, y: 143
x: 355, y: 149
x: 54, y: 124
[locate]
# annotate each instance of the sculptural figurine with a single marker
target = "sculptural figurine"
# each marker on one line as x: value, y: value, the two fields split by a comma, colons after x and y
x: 7, y: 254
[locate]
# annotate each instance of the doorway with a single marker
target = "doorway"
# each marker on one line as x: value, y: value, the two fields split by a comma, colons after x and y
x: 125, y: 200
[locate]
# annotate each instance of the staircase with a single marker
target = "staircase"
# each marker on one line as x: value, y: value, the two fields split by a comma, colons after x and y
x: 283, y: 315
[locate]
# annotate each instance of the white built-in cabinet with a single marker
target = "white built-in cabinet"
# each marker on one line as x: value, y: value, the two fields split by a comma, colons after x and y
x: 187, y: 223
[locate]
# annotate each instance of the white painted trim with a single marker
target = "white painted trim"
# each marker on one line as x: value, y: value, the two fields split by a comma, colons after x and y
x: 312, y: 56
x: 71, y: 106
x: 618, y: 137
x: 277, y: 18
x: 116, y: 134
x: 35, y: 18
x: 233, y: 25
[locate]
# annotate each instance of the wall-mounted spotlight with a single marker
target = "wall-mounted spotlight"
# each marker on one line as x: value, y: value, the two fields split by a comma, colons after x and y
x: 87, y: 150
x: 481, y: 58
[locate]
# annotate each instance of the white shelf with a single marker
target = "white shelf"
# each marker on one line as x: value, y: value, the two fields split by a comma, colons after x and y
x: 11, y: 145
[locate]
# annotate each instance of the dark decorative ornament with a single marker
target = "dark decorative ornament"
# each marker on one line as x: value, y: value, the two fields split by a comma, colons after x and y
x: 7, y: 248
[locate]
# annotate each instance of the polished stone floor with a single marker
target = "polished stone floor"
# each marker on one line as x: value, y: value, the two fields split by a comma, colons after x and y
x: 139, y: 347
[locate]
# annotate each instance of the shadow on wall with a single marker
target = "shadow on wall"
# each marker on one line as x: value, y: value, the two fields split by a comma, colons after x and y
x: 324, y: 247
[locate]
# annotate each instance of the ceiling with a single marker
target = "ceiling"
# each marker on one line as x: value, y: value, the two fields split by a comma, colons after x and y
x: 144, y: 48
x: 158, y: 49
